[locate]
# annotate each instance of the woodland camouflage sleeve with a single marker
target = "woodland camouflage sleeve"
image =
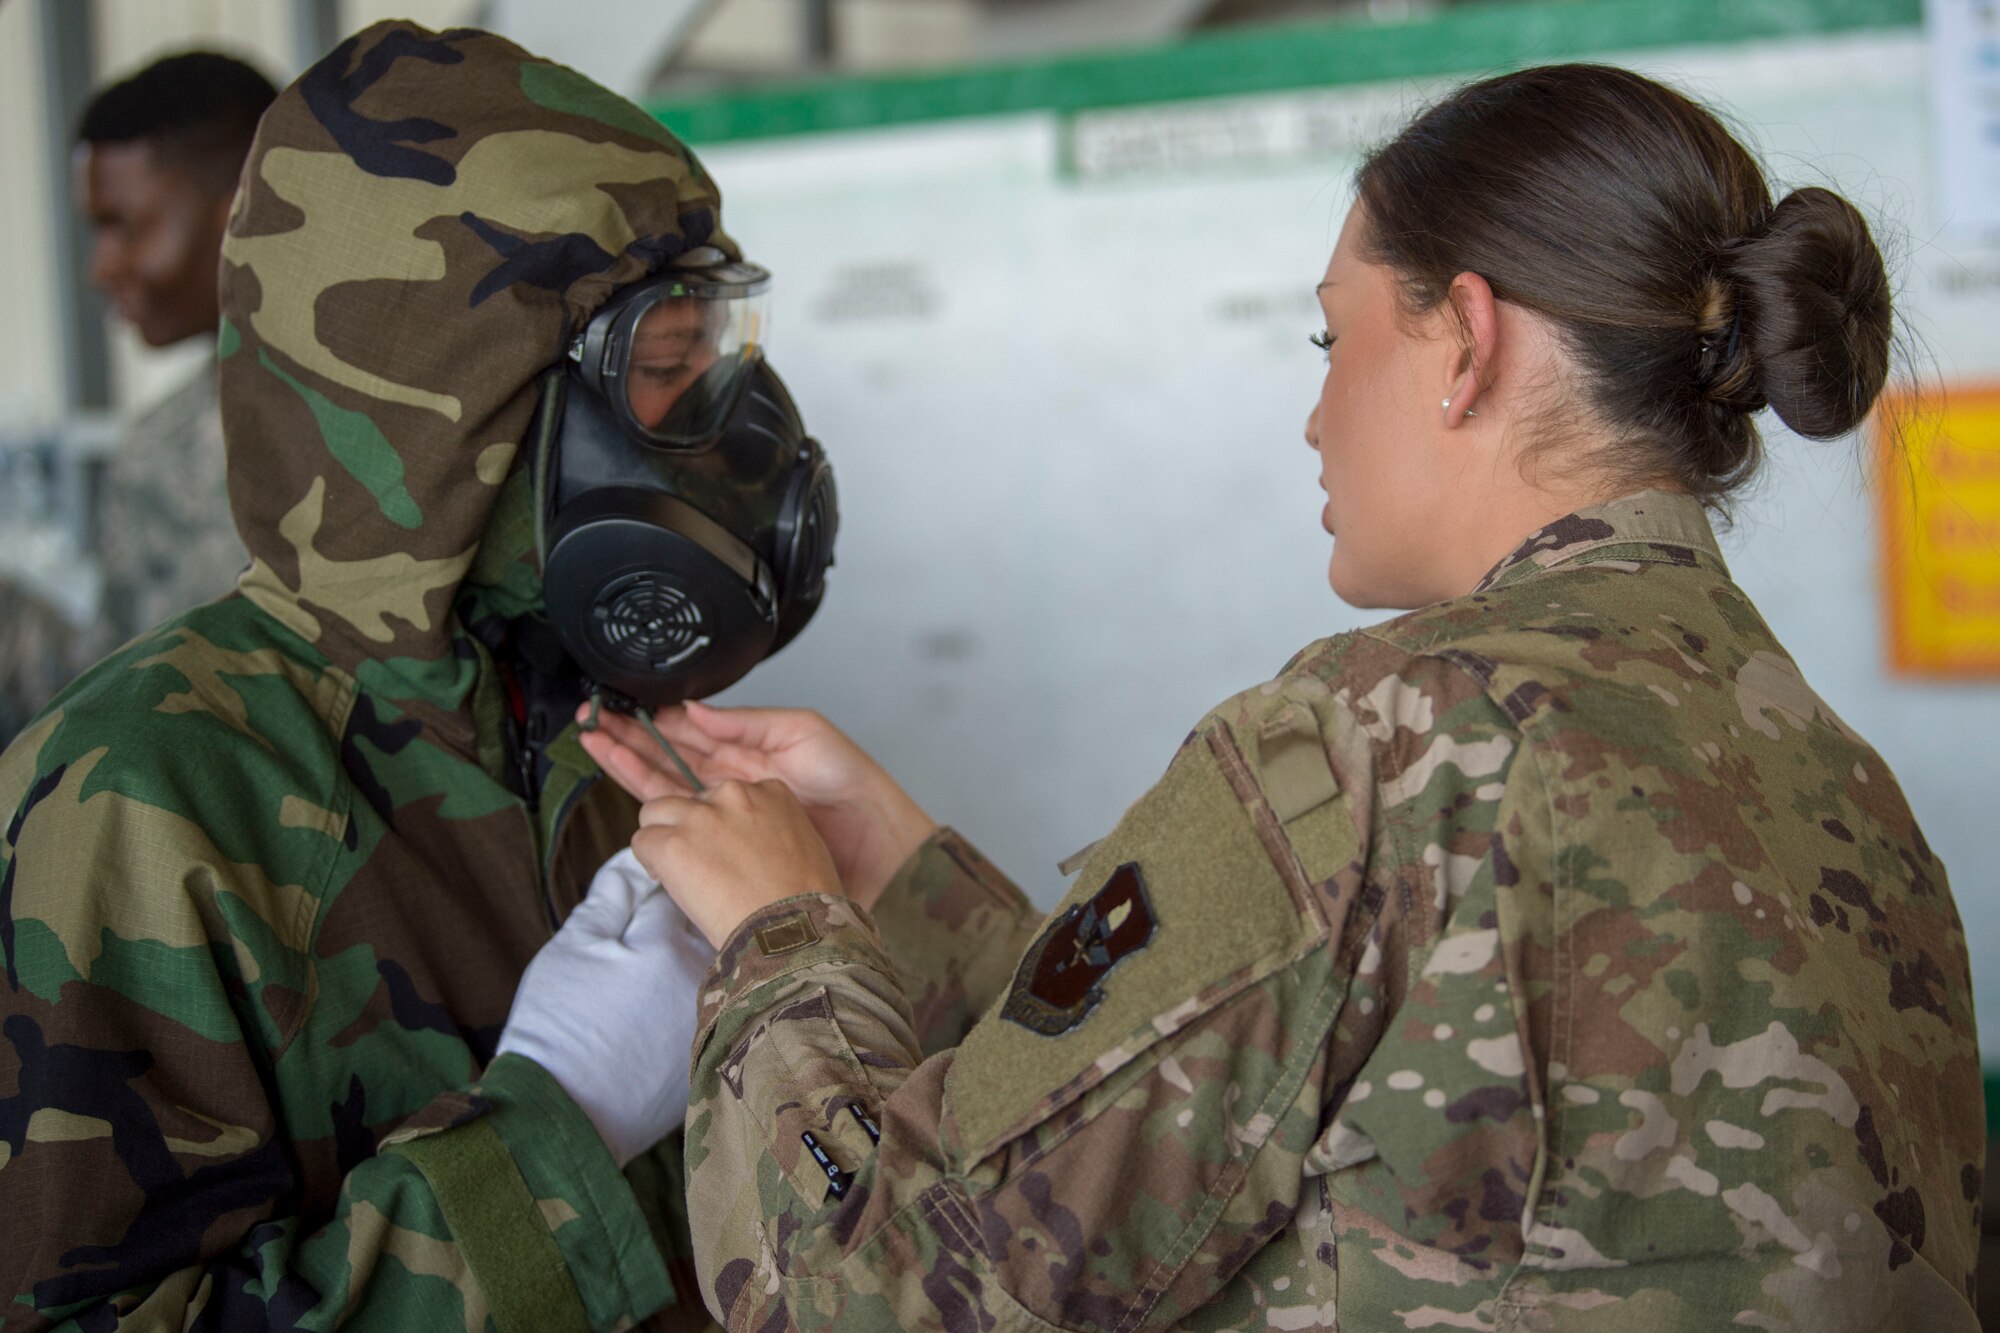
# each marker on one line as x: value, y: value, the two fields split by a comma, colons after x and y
x: 146, y: 1174
x: 955, y: 926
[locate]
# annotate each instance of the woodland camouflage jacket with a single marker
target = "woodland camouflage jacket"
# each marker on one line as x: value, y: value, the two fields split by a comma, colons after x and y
x: 272, y: 872
x: 1552, y: 958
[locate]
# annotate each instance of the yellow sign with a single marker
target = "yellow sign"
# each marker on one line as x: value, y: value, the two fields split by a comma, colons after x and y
x: 1938, y: 476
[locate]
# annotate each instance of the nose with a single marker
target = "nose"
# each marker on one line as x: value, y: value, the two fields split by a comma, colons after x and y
x: 1312, y: 431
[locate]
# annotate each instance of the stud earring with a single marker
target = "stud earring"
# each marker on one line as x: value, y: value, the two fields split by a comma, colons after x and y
x: 1468, y: 411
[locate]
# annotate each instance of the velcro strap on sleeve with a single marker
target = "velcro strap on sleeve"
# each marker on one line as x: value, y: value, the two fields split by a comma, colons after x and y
x: 498, y: 1228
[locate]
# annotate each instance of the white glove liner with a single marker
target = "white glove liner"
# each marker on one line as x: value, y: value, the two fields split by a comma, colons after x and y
x: 608, y: 1007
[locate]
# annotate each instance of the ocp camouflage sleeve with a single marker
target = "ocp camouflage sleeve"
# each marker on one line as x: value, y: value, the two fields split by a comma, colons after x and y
x: 40, y: 650
x: 954, y: 925
x: 1130, y: 1119
x: 164, y: 530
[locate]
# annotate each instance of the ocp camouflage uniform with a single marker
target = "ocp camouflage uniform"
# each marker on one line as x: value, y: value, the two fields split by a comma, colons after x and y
x: 1551, y: 958
x: 271, y: 873
x: 41, y: 650
x: 164, y: 529
x: 165, y: 540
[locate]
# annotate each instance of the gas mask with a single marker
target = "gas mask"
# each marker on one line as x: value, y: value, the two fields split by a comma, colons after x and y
x: 685, y: 519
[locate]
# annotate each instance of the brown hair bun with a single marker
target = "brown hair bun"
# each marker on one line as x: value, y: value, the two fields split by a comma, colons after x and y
x: 1815, y: 304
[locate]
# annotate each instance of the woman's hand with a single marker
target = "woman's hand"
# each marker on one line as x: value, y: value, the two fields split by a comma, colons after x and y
x: 869, y: 824
x: 735, y: 848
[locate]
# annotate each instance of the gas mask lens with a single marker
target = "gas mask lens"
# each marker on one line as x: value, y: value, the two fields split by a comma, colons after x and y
x: 673, y: 358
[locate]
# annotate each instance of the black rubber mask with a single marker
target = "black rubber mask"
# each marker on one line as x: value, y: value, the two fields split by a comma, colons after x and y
x: 686, y: 518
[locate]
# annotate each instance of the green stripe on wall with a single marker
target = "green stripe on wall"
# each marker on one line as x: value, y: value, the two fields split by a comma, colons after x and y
x: 1468, y: 39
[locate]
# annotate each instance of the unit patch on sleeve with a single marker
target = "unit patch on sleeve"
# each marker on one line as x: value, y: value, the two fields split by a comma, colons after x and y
x: 1059, y: 981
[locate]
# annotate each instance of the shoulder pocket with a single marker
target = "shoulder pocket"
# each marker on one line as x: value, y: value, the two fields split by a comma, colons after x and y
x: 1193, y: 898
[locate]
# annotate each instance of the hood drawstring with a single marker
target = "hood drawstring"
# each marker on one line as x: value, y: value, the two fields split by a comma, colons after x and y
x: 589, y: 723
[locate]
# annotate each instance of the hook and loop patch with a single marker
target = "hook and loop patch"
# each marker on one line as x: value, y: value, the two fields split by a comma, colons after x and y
x: 787, y: 934
x: 1060, y: 979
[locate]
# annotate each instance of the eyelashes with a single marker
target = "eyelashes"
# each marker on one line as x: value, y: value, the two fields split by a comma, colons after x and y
x: 1322, y: 340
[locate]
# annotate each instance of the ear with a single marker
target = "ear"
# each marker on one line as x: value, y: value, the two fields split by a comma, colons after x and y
x: 1478, y: 320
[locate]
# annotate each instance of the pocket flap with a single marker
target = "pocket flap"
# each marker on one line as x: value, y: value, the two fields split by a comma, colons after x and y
x: 808, y: 1076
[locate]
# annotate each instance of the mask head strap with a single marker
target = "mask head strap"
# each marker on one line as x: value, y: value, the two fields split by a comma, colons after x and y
x: 541, y: 463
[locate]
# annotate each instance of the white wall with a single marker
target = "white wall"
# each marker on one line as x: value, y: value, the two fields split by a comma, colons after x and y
x: 30, y: 349
x: 1066, y: 415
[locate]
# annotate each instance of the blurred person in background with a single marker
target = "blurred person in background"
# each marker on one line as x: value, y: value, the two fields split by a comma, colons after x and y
x: 157, y: 159
x: 1550, y: 957
x: 41, y: 649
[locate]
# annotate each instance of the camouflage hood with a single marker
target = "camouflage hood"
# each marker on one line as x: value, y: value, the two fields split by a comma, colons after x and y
x: 422, y: 219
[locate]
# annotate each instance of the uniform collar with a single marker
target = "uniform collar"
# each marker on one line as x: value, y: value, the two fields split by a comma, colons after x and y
x: 1651, y: 526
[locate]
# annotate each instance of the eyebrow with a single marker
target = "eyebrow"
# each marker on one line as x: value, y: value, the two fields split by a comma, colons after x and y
x: 1323, y: 286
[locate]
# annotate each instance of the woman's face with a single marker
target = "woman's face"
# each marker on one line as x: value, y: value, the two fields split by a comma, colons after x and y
x: 1377, y: 428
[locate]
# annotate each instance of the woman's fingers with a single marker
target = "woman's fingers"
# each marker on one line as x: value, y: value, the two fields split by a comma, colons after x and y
x: 631, y: 733
x: 644, y: 779
x: 676, y: 726
x: 758, y: 728
x: 646, y: 775
x: 670, y: 723
x: 795, y: 746
x: 732, y: 850
x: 643, y: 776
x: 723, y: 724
x: 747, y: 765
x: 637, y: 762
x: 669, y: 811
